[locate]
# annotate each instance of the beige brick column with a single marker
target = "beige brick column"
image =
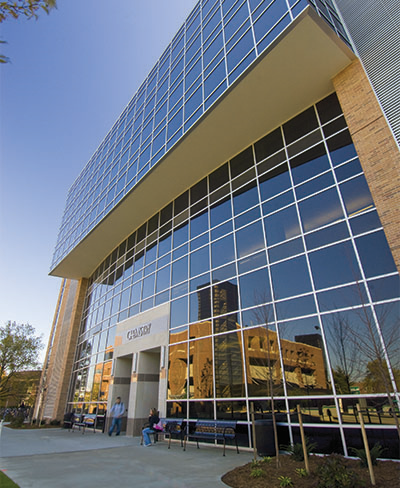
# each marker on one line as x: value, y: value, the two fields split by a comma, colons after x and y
x: 377, y: 149
x: 60, y: 356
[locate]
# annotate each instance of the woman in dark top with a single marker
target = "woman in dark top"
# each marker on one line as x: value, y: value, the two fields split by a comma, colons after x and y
x: 153, y: 419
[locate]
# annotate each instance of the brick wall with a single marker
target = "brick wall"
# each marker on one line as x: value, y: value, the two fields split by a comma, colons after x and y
x: 63, y: 349
x: 377, y: 149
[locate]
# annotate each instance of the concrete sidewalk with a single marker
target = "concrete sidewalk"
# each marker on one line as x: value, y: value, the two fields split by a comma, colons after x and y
x: 55, y: 457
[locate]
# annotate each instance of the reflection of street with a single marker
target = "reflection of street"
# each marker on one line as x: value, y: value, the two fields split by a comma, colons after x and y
x: 328, y: 414
x: 370, y: 416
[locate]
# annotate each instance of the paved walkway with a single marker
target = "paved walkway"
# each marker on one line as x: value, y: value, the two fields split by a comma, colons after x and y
x: 51, y: 458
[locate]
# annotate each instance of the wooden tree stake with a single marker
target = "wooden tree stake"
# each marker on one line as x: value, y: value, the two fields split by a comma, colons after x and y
x: 303, y: 440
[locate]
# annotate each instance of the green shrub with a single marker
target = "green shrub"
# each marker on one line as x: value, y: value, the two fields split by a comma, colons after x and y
x: 266, y: 459
x: 285, y: 481
x: 375, y: 453
x: 17, y: 421
x: 256, y: 473
x: 333, y: 473
x: 301, y: 472
x: 55, y: 422
x: 296, y: 450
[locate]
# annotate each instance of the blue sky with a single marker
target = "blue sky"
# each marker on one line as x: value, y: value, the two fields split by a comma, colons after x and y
x: 71, y: 75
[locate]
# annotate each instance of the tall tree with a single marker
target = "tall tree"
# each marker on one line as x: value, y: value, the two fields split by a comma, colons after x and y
x: 19, y: 349
x: 26, y: 8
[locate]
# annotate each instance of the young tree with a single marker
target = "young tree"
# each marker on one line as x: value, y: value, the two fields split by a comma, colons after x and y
x: 264, y: 316
x: 379, y: 354
x: 19, y: 349
x: 26, y: 8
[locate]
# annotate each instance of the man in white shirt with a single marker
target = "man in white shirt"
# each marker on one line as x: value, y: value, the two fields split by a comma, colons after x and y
x: 117, y: 411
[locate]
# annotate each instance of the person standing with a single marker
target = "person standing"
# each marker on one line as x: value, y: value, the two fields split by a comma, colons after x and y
x: 117, y: 411
x: 153, y: 419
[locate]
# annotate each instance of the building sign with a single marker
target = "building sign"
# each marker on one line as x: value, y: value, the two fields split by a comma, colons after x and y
x: 141, y: 331
x: 133, y: 331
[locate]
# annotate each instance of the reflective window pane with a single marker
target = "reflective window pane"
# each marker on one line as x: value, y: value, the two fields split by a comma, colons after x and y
x: 201, y: 376
x: 250, y: 239
x: 303, y: 356
x: 296, y: 307
x: 322, y: 209
x: 229, y: 381
x: 199, y: 261
x: 200, y: 305
x: 290, y: 278
x: 255, y: 288
x: 309, y: 163
x: 274, y: 182
x: 198, y: 225
x: 220, y: 212
x: 356, y: 195
x: 330, y: 234
x: 262, y: 361
x: 334, y: 265
x: 385, y: 288
x: 180, y: 270
x: 285, y: 250
x: 252, y: 262
x: 245, y: 198
x: 177, y: 371
x: 282, y: 225
x: 347, y: 296
x: 225, y: 297
x: 222, y: 274
x: 222, y: 251
x: 375, y: 254
x: 179, y: 312
x: 365, y: 222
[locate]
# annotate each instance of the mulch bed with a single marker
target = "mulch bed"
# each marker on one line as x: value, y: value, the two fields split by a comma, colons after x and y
x: 387, y: 474
x: 31, y: 427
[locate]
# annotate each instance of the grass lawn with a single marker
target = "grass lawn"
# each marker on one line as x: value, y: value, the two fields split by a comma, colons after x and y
x: 5, y: 481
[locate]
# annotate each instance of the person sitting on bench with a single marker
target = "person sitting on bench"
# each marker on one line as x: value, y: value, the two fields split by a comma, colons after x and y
x: 153, y: 419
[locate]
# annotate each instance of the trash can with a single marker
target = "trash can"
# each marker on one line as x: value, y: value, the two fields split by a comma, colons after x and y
x: 265, y: 442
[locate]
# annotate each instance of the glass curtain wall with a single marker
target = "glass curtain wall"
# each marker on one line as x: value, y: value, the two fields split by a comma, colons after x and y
x: 216, y: 44
x: 280, y: 281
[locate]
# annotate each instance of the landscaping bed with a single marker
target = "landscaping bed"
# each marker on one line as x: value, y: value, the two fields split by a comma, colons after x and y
x: 266, y: 475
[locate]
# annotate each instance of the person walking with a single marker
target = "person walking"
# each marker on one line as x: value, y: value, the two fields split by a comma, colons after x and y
x: 153, y: 419
x: 117, y: 411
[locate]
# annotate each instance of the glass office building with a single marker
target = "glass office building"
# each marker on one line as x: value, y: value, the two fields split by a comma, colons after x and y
x: 233, y: 239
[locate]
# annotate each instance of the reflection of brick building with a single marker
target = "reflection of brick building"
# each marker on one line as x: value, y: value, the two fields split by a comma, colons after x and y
x: 304, y: 363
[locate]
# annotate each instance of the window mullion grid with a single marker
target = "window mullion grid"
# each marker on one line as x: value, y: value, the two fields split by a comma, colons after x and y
x: 363, y: 278
x: 224, y: 42
x: 275, y: 317
x: 252, y: 33
x: 202, y: 65
x: 326, y: 355
x: 289, y: 10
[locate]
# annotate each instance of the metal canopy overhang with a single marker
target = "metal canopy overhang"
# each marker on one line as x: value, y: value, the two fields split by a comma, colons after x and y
x: 292, y: 74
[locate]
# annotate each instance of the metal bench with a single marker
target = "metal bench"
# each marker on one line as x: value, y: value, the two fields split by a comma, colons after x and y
x: 213, y: 430
x: 85, y: 421
x: 170, y: 427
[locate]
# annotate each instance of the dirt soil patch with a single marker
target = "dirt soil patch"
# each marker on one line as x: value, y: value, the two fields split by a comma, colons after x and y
x: 387, y: 474
x: 31, y: 427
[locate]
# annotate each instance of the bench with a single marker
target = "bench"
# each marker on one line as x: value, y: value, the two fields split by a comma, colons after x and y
x: 170, y: 427
x: 213, y: 430
x: 68, y: 421
x: 85, y: 421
